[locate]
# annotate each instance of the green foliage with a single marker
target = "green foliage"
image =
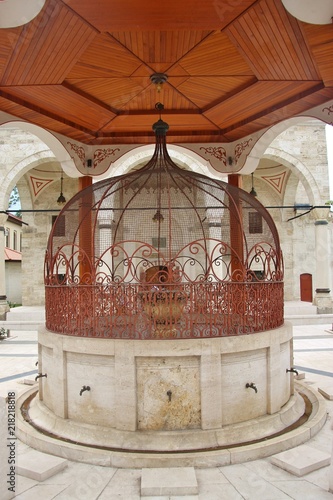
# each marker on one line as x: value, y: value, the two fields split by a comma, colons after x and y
x: 14, y: 201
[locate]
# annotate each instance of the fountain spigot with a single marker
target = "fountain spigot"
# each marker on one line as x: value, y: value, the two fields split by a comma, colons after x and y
x: 252, y: 386
x: 292, y: 370
x: 84, y: 388
x: 40, y: 375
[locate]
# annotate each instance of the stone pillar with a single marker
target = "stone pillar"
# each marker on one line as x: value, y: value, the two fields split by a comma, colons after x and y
x: 211, y: 390
x: 4, y: 308
x: 323, y: 298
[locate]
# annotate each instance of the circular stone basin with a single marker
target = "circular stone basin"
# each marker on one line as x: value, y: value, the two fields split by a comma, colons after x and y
x: 167, y: 396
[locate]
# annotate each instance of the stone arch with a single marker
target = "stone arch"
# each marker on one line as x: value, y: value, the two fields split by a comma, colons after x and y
x: 21, y: 168
x: 50, y: 140
x: 141, y: 154
x: 300, y: 170
x: 266, y: 138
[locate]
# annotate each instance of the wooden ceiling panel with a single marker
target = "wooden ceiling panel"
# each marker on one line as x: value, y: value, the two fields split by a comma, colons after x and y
x: 58, y: 101
x: 8, y: 40
x: 115, y: 92
x: 104, y: 58
x: 321, y: 46
x: 171, y: 98
x: 140, y: 15
x: 136, y: 123
x: 260, y: 98
x: 264, y: 121
x: 206, y: 91
x: 162, y: 48
x: 215, y: 56
x: 273, y: 43
x: 48, y: 47
x: 84, y: 69
x: 26, y: 114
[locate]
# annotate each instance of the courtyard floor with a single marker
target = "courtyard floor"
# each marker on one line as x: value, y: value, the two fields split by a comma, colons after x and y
x: 258, y: 479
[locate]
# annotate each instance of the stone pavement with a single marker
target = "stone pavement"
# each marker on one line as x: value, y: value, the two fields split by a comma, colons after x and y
x: 255, y: 480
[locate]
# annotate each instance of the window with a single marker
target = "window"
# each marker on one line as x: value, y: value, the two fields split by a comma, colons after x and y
x: 159, y: 242
x: 7, y: 234
x: 15, y: 240
x: 255, y: 222
x: 61, y: 225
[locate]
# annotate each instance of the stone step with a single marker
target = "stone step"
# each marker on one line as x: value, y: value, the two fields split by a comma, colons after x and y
x: 39, y: 466
x: 175, y: 481
x: 326, y: 391
x: 301, y: 460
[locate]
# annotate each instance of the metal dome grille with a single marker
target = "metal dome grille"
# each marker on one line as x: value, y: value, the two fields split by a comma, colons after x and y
x: 163, y: 253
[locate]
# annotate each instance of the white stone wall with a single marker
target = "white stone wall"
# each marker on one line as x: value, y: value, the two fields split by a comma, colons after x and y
x: 165, y: 385
x: 302, y: 150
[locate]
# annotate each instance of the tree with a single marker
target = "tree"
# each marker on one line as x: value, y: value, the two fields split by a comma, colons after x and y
x: 15, y: 203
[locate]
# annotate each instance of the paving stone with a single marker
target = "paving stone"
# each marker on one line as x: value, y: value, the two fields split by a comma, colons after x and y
x: 39, y: 466
x: 326, y: 391
x: 301, y: 460
x: 178, y: 481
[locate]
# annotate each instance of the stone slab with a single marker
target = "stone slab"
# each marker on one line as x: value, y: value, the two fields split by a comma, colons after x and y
x: 301, y: 460
x: 180, y: 481
x: 300, y: 376
x: 39, y: 466
x: 29, y: 381
x: 326, y: 391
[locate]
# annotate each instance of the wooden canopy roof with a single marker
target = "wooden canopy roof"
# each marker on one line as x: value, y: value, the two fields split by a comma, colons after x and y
x: 83, y: 69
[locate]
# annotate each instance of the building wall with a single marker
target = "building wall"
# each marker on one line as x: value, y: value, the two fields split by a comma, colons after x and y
x: 13, y: 269
x: 13, y: 272
x: 308, y: 183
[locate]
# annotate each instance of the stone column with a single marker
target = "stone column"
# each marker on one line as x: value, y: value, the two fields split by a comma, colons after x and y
x: 4, y: 308
x: 323, y: 298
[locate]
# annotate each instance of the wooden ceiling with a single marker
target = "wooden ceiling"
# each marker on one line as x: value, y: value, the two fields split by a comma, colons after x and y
x: 82, y: 68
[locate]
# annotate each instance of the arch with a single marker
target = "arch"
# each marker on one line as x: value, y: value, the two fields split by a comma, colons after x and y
x: 21, y: 168
x: 266, y: 138
x: 300, y: 170
x: 141, y: 154
x: 49, y: 139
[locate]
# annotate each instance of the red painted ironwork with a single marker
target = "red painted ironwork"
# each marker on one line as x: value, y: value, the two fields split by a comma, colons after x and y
x: 151, y: 255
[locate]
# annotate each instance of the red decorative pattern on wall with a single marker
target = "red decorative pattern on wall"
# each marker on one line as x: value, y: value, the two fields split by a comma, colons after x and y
x: 219, y: 153
x: 276, y: 181
x: 39, y: 184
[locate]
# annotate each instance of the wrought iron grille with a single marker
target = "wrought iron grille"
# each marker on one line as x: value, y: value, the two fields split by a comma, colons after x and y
x: 163, y: 252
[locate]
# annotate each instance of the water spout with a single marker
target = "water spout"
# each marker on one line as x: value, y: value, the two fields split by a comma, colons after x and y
x: 84, y: 388
x: 252, y: 386
x: 40, y: 375
x: 292, y: 370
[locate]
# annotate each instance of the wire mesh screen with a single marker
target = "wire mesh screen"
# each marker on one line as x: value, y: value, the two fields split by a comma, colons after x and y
x: 163, y: 253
